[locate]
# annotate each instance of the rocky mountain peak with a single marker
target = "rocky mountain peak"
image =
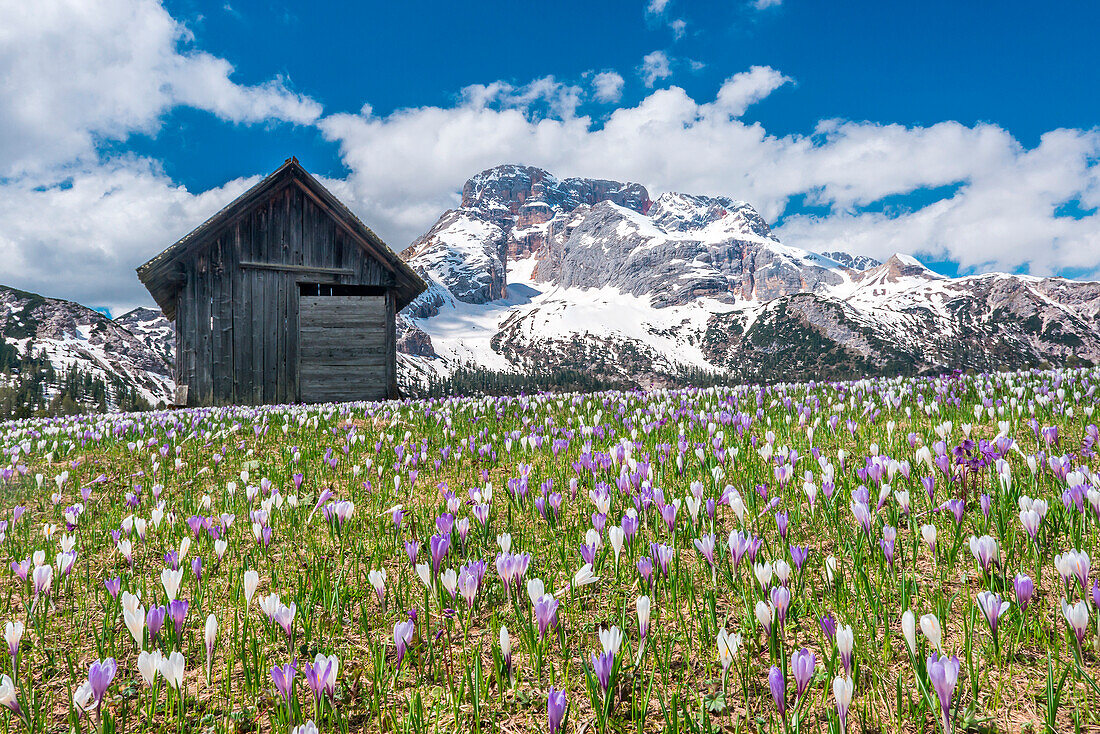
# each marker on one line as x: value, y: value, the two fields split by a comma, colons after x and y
x: 680, y: 212
x: 855, y: 262
x: 510, y: 189
x: 903, y: 266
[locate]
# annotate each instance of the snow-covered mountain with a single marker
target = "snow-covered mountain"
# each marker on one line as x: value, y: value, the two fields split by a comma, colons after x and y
x: 69, y: 335
x: 532, y: 273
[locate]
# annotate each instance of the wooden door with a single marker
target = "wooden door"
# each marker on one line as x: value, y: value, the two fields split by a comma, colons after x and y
x: 342, y: 348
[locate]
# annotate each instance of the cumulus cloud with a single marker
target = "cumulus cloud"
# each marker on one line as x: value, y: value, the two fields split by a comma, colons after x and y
x: 656, y: 7
x: 997, y: 209
x: 73, y: 73
x: 81, y: 236
x: 607, y: 86
x: 764, y: 4
x: 655, y: 67
x: 679, y: 28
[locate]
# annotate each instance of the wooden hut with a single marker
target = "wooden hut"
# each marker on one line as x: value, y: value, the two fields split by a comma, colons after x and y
x: 283, y: 296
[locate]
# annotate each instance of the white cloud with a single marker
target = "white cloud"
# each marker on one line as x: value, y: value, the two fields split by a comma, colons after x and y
x: 608, y: 86
x: 656, y: 7
x: 998, y: 211
x: 655, y: 67
x: 73, y: 73
x: 764, y: 4
x: 679, y: 28
x: 81, y: 237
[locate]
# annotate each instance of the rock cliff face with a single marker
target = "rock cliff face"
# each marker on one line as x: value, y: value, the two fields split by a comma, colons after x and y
x: 70, y: 335
x: 533, y: 272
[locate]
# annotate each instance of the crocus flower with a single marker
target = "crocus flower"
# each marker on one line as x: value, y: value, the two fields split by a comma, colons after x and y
x: 778, y: 686
x: 930, y: 626
x: 556, y: 707
x: 985, y: 551
x: 843, y: 688
x: 506, y: 649
x: 765, y: 615
x: 377, y: 578
x: 992, y: 607
x: 602, y: 664
x: 100, y: 675
x: 283, y: 677
x: 1077, y: 617
x: 154, y: 619
x: 728, y: 645
x: 943, y: 672
x: 13, y: 633
x: 845, y: 642
x: 1025, y: 590
x: 402, y: 636
x: 802, y: 666
x: 7, y: 694
x: 148, y: 665
x: 210, y: 636
x: 43, y: 580
x: 113, y: 586
x: 546, y: 613
x: 909, y: 629
x: 643, y: 605
x: 251, y: 581
x: 177, y: 612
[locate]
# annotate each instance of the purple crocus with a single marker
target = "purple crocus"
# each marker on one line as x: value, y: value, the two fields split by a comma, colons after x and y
x: 602, y: 663
x: 100, y: 675
x: 154, y: 619
x: 402, y: 636
x: 781, y: 600
x: 778, y: 685
x: 546, y: 613
x: 943, y: 672
x: 439, y: 544
x: 992, y: 607
x: 828, y: 626
x: 284, y: 680
x: 1025, y: 590
x: 114, y: 586
x: 802, y: 666
x: 782, y: 521
x: 705, y: 545
x: 799, y: 554
x: 556, y: 707
x: 177, y: 612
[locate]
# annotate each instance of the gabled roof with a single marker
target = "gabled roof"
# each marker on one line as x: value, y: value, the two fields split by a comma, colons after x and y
x: 161, y: 275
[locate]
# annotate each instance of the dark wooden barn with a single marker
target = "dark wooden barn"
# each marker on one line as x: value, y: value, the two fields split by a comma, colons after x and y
x: 283, y: 296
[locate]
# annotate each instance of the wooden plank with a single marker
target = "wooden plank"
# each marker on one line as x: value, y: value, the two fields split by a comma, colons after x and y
x: 295, y: 229
x: 360, y: 304
x: 242, y: 310
x: 346, y: 375
x: 391, y: 345
x: 188, y: 318
x: 315, y: 353
x: 271, y: 335
x: 320, y: 336
x: 256, y: 317
x: 287, y: 268
x: 203, y: 350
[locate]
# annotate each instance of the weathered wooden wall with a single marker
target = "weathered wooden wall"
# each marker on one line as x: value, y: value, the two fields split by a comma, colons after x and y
x: 237, y: 312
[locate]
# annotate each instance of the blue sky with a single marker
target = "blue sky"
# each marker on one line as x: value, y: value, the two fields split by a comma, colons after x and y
x: 963, y: 133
